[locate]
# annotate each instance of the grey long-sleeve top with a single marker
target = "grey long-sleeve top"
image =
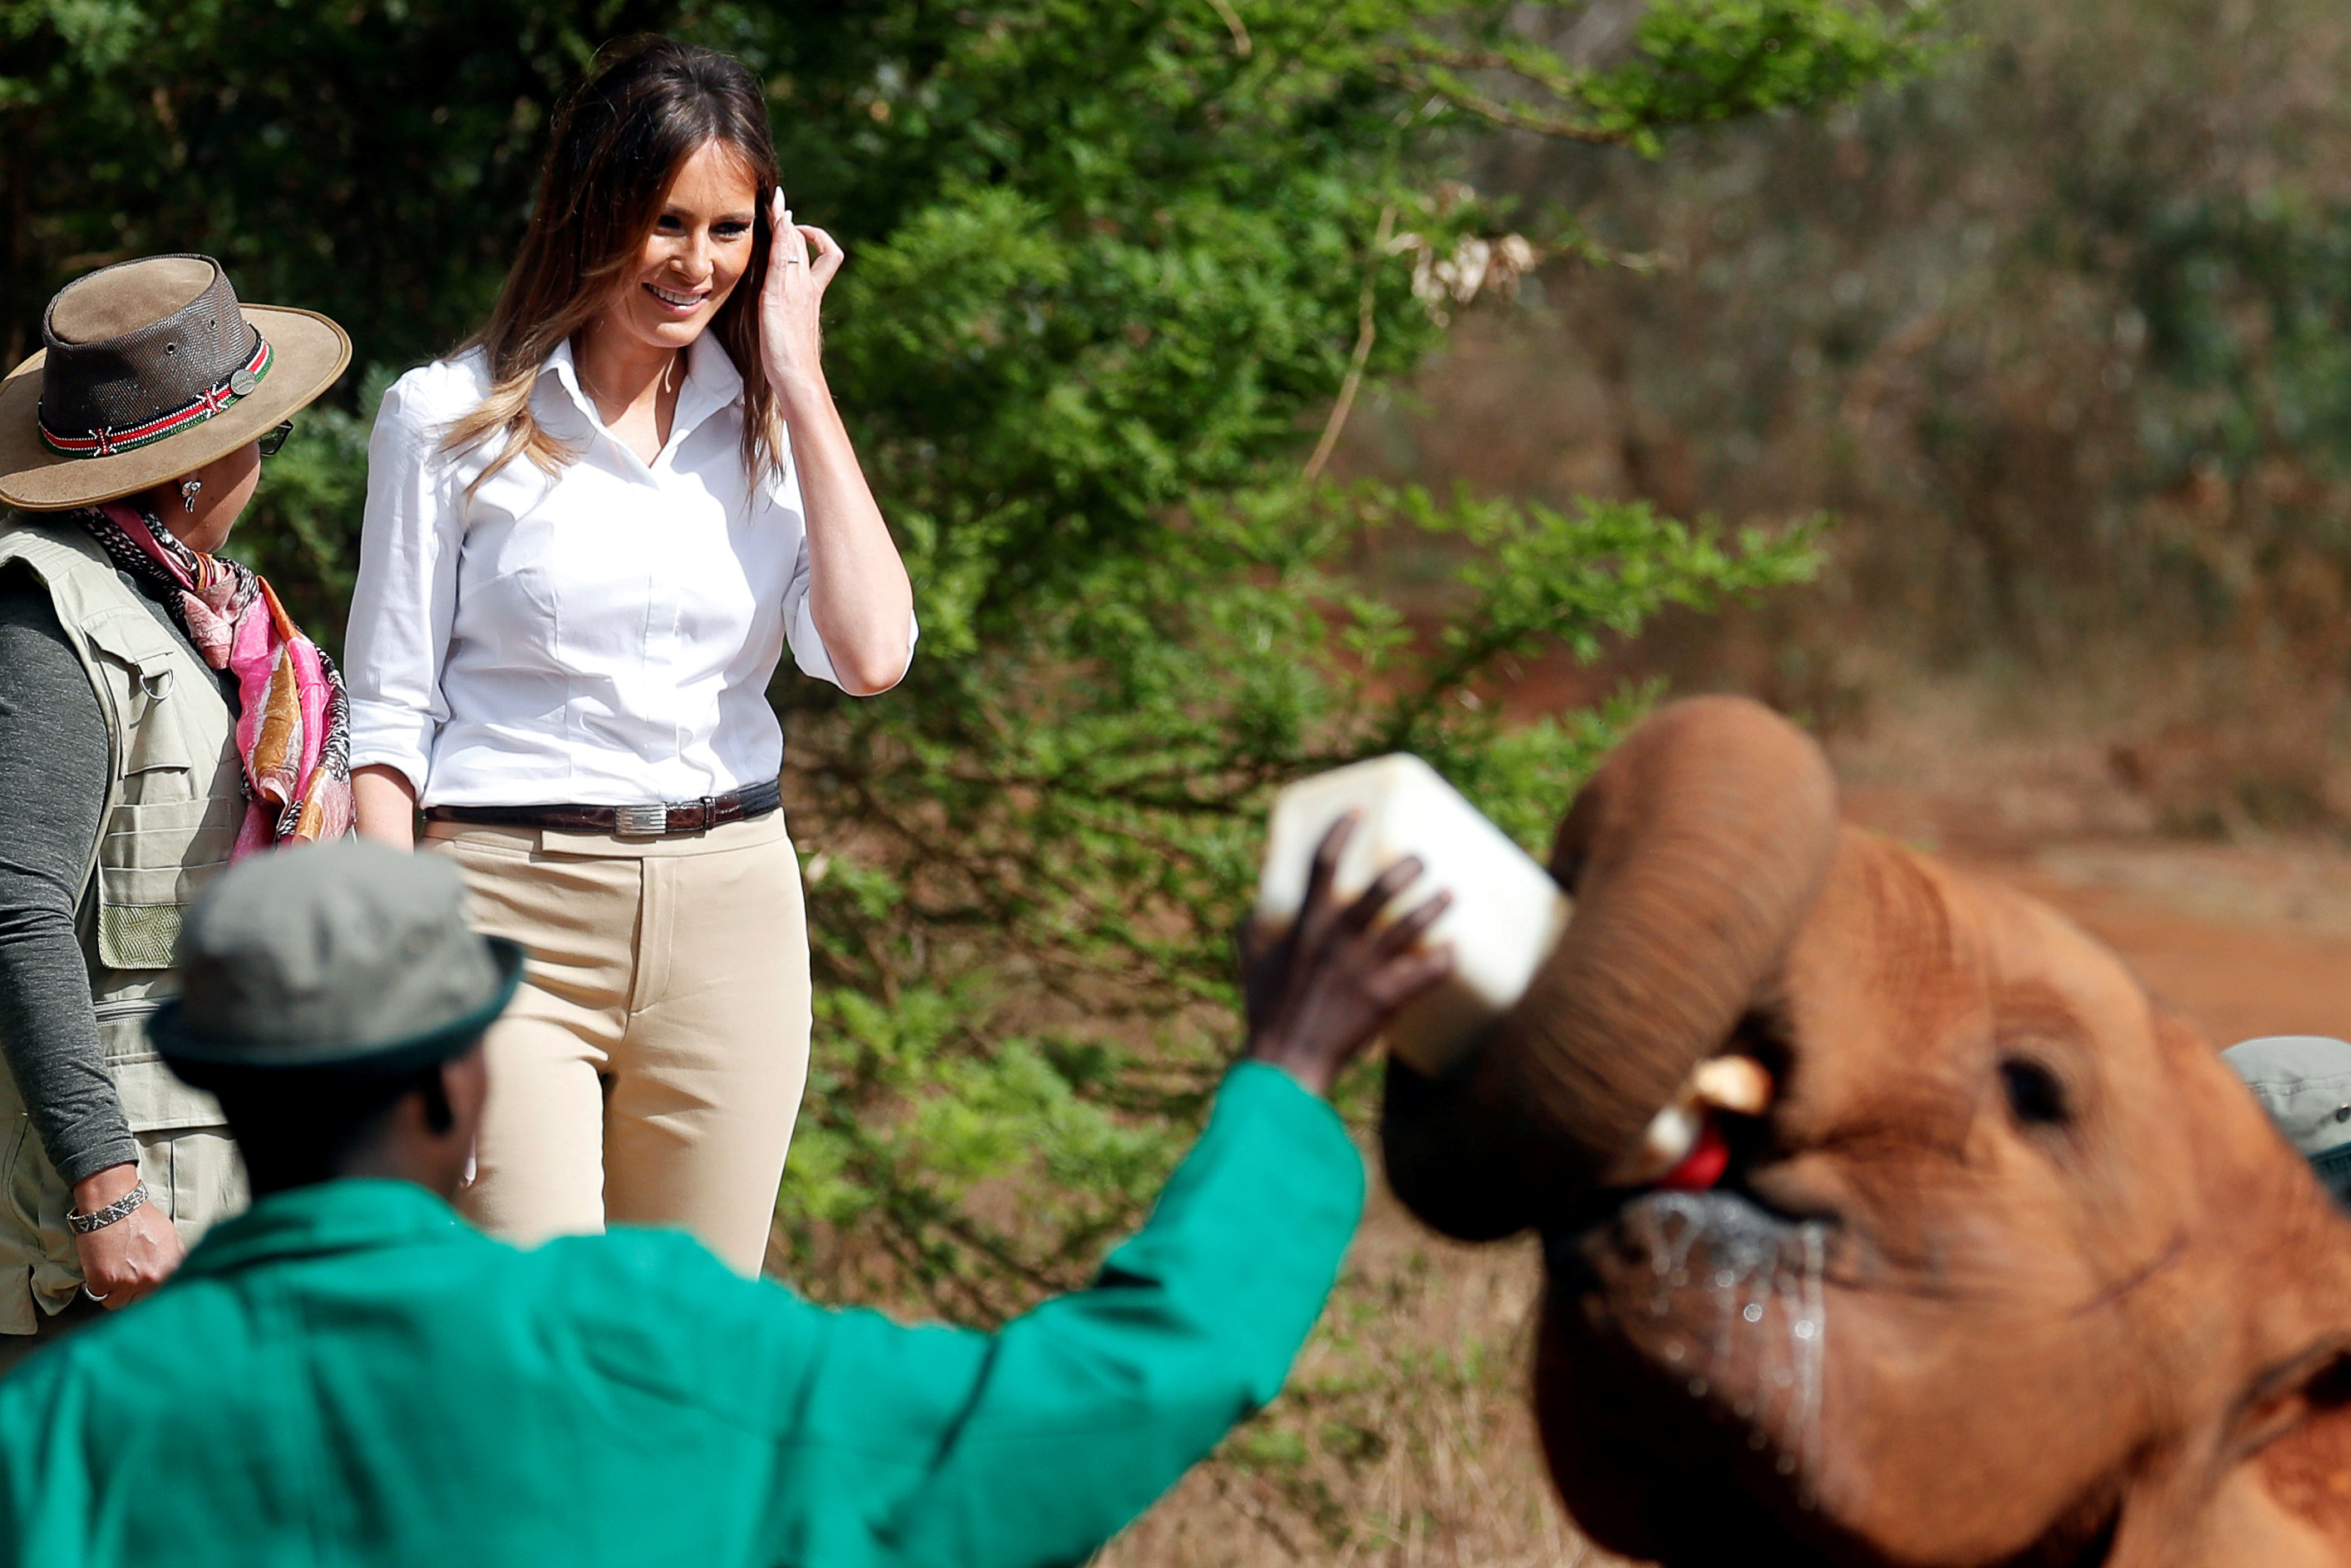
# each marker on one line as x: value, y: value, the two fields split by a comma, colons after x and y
x: 53, y: 773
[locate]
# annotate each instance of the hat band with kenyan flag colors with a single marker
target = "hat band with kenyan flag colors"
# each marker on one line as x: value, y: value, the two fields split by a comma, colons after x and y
x: 242, y: 381
x: 149, y: 370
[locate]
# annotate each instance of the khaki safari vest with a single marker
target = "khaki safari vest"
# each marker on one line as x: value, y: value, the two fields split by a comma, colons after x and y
x: 173, y: 805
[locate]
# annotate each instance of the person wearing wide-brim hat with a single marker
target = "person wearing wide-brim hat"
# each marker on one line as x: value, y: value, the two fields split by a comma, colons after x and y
x: 160, y: 715
x: 378, y: 1382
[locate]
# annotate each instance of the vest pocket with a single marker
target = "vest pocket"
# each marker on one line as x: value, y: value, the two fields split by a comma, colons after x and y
x: 152, y: 859
x: 153, y: 1099
x: 139, y: 668
x: 186, y: 1156
x: 175, y: 728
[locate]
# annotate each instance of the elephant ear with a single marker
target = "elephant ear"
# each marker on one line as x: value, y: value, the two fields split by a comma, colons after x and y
x: 1694, y: 854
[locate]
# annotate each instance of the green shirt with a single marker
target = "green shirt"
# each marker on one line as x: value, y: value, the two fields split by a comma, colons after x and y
x: 349, y: 1373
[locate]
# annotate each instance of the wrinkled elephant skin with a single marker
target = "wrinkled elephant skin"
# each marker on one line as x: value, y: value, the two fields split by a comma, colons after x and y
x: 2013, y: 1271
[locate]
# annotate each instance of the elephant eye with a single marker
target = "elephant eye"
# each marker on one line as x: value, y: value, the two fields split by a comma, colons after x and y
x: 2035, y: 1096
x: 2331, y: 1389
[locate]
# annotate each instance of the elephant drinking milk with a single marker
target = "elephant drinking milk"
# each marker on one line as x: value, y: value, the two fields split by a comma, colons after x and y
x: 2000, y: 1265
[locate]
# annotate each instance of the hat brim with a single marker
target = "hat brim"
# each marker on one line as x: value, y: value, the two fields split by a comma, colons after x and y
x: 183, y: 1046
x: 308, y: 352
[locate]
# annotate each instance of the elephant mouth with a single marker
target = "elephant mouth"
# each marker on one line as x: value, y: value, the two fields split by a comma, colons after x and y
x: 1723, y: 1297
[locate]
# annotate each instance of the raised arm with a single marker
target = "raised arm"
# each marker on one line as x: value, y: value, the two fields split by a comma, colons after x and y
x: 1077, y: 1415
x: 858, y: 599
x: 1032, y: 1446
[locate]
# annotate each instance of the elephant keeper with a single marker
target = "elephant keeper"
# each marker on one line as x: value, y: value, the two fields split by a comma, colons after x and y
x: 347, y: 1373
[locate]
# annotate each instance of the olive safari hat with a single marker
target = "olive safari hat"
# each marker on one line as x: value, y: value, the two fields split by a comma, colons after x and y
x: 347, y: 955
x: 147, y: 369
x: 2304, y: 1081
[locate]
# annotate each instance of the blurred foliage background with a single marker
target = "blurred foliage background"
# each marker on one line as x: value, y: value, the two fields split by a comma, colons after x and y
x: 2058, y: 330
x: 1119, y: 271
x: 1257, y: 384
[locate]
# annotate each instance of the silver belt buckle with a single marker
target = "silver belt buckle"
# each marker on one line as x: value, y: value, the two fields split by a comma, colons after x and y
x: 640, y: 822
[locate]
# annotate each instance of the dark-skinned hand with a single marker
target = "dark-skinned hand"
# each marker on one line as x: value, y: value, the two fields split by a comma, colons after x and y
x: 1319, y: 994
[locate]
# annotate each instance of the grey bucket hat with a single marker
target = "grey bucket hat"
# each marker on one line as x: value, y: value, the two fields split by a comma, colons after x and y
x: 347, y: 955
x: 2304, y: 1081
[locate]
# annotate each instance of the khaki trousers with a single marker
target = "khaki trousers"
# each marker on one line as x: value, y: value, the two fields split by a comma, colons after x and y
x: 650, y: 1068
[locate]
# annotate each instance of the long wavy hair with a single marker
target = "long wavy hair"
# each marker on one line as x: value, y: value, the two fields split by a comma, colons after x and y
x: 646, y: 106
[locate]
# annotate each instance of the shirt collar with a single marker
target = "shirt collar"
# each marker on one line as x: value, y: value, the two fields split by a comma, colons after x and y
x: 560, y: 365
x: 353, y: 1215
x: 712, y: 382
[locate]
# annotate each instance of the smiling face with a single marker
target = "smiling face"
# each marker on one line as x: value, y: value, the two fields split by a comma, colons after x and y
x: 1990, y: 1248
x: 699, y: 249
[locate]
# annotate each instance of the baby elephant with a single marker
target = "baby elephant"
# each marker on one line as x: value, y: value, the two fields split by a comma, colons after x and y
x: 1976, y: 1256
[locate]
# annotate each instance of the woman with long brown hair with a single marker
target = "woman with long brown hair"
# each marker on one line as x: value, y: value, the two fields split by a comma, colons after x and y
x: 590, y: 534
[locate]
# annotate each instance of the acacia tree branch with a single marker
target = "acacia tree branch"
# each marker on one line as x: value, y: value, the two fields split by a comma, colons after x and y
x: 1427, y: 65
x: 1366, y: 333
x: 1513, y: 117
x: 1232, y: 20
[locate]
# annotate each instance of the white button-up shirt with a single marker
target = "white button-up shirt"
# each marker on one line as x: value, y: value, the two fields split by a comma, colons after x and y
x: 601, y: 637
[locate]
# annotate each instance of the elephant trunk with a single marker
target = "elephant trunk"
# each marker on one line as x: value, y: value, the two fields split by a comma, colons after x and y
x: 1694, y: 854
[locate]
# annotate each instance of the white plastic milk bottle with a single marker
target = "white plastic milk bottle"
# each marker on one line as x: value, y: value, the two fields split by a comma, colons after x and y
x: 1507, y: 910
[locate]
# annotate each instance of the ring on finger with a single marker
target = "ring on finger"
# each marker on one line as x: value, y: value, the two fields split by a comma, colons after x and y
x: 93, y: 1295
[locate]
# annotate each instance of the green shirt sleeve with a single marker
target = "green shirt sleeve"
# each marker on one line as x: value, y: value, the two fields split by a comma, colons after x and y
x: 382, y: 1384
x: 1036, y: 1444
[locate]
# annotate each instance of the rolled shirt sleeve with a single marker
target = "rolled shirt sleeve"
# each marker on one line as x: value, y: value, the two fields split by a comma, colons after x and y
x: 406, y: 597
x: 808, y: 650
x: 807, y: 643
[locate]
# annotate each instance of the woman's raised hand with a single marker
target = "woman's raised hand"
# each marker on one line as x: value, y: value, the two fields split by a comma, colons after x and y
x: 801, y: 263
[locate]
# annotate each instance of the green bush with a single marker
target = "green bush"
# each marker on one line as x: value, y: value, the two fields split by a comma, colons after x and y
x: 1112, y: 262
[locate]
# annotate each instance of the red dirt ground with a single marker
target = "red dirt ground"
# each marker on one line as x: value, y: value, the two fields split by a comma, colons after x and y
x: 2242, y: 940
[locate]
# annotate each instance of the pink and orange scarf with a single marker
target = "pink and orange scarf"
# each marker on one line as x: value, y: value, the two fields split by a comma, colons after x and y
x: 293, y: 734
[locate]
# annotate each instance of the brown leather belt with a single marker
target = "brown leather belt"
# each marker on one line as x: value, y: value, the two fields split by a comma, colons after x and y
x: 666, y: 820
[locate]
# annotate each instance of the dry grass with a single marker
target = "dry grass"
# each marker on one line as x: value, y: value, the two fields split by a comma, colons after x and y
x: 1404, y: 1440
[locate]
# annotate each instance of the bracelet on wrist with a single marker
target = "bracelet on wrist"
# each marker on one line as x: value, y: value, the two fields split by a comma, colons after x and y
x: 100, y: 1219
